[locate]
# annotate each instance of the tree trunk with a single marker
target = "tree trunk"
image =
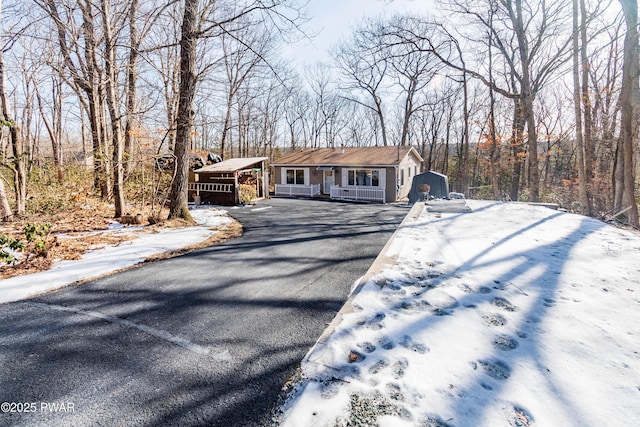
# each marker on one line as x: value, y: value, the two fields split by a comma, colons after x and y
x: 5, y: 209
x: 629, y: 106
x: 226, y: 126
x: 577, y: 93
x: 586, y: 105
x: 112, y: 106
x: 494, y: 151
x: 132, y: 77
x: 178, y: 207
x: 517, y: 131
x: 527, y: 98
x: 19, y: 156
x: 54, y: 127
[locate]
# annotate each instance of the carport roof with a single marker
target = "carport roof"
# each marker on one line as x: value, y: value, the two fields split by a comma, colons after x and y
x: 348, y: 156
x: 232, y: 165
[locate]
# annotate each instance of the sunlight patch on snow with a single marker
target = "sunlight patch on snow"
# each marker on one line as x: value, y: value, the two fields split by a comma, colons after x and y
x: 509, y: 315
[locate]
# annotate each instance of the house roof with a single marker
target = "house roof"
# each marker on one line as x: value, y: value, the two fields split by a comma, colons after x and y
x: 348, y: 156
x: 232, y: 165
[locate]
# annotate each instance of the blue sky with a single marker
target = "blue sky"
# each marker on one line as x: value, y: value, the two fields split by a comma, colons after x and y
x: 333, y: 20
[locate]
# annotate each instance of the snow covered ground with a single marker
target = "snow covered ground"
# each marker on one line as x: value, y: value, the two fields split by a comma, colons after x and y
x: 512, y: 315
x: 111, y: 258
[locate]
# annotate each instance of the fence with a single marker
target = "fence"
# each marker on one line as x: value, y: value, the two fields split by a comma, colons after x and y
x: 358, y: 192
x: 297, y: 190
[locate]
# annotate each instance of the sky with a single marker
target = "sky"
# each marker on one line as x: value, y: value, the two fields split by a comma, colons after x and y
x: 333, y: 20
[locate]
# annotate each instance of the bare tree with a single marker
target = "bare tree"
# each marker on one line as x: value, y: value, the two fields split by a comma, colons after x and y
x: 364, y: 69
x: 582, y: 154
x: 528, y: 38
x: 111, y: 82
x: 19, y: 154
x: 629, y: 100
x: 197, y: 23
x: 243, y: 50
x: 81, y: 61
x: 54, y: 123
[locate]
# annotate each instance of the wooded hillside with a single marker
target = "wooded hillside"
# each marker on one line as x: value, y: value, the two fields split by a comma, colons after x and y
x: 512, y: 99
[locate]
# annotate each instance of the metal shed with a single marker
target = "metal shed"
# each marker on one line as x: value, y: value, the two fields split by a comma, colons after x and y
x: 438, y: 183
x: 219, y: 183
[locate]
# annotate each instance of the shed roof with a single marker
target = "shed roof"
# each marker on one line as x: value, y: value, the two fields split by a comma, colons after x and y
x: 348, y: 156
x: 232, y: 165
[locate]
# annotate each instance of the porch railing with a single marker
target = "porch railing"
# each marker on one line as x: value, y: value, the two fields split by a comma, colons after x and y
x: 358, y: 192
x: 297, y: 190
x: 210, y: 187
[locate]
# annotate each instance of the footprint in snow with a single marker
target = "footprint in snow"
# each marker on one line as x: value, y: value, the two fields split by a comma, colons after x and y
x: 518, y: 417
x: 386, y: 343
x: 504, y: 342
x: 465, y: 288
x: 503, y: 303
x: 375, y: 322
x: 494, y: 319
x: 367, y: 347
x: 496, y: 369
x: 329, y: 389
x: 414, y: 305
x: 355, y: 357
x: 431, y: 421
x: 394, y: 392
x: 399, y: 367
x: 408, y: 343
x: 378, y: 366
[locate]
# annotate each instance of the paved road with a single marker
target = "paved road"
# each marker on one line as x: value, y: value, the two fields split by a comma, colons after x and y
x: 203, y: 339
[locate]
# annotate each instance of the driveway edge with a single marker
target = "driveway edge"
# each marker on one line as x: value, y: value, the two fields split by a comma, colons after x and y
x: 383, y: 259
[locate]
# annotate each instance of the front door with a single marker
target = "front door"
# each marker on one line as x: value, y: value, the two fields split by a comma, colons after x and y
x: 328, y: 181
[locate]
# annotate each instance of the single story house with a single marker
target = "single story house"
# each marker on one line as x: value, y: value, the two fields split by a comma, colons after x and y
x: 219, y: 183
x: 378, y: 174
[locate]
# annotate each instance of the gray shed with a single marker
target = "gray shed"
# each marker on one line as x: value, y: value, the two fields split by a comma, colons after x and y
x: 438, y: 182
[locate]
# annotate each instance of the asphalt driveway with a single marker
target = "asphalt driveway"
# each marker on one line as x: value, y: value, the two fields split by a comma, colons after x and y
x: 204, y: 339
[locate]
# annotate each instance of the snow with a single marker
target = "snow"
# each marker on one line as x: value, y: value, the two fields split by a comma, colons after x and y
x: 114, y: 257
x: 511, y: 315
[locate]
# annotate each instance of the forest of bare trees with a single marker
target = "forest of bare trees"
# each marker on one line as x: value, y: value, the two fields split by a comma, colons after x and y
x: 512, y: 99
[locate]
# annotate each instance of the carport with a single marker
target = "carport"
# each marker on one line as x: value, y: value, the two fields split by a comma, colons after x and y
x: 220, y: 183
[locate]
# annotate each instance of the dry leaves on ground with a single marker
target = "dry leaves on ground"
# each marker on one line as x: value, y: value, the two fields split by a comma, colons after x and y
x: 75, y: 232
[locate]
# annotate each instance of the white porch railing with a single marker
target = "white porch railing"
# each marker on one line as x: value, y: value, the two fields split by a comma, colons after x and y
x: 210, y: 187
x: 358, y: 192
x: 297, y: 190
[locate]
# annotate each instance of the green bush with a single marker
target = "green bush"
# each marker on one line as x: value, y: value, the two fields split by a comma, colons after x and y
x: 36, y: 243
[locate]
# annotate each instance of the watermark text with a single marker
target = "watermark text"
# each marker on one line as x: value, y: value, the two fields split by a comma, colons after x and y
x: 27, y: 407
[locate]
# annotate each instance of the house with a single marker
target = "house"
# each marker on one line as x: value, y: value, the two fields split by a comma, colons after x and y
x: 378, y: 174
x: 220, y: 183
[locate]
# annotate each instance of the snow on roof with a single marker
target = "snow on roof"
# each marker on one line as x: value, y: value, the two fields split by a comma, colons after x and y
x: 361, y: 156
x: 232, y: 165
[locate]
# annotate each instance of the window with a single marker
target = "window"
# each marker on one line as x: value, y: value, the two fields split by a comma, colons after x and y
x: 401, y: 177
x: 364, y: 177
x: 295, y: 176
